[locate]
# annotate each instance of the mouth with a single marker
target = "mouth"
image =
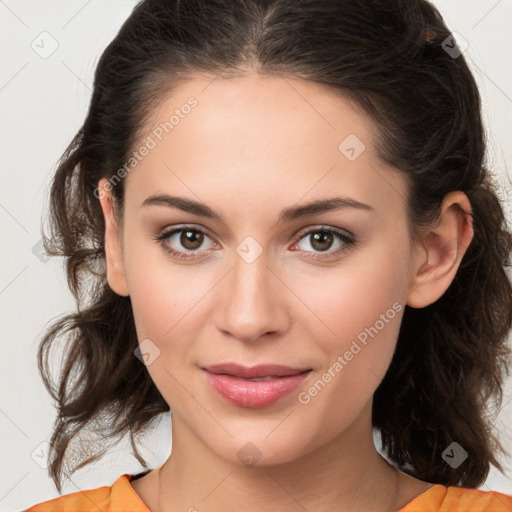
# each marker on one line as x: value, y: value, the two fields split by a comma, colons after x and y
x: 259, y: 372
x: 254, y: 387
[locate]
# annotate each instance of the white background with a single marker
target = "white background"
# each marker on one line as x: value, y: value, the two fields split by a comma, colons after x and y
x: 43, y: 103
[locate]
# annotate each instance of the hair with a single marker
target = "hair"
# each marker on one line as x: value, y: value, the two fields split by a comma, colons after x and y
x: 386, y: 56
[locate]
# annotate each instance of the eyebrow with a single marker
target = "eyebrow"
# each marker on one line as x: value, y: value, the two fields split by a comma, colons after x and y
x: 289, y: 214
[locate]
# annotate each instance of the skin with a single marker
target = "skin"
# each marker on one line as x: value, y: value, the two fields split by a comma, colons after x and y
x: 252, y: 147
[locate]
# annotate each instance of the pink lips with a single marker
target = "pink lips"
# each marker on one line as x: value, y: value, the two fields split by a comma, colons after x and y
x: 254, y: 387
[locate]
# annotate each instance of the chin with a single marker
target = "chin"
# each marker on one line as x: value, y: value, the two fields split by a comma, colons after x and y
x: 258, y: 448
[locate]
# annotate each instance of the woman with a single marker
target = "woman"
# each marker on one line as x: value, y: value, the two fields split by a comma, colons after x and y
x: 279, y: 226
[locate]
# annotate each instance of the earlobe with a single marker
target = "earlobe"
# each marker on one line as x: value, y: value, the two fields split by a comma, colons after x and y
x: 437, y: 256
x: 116, y: 277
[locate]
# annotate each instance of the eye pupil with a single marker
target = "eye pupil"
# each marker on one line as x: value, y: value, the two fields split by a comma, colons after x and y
x: 188, y: 236
x: 321, y: 237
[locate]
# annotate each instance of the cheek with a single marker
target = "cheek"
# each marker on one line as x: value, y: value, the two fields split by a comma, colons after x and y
x: 165, y: 296
x: 165, y: 305
x: 362, y: 306
x: 355, y: 296
x: 365, y: 317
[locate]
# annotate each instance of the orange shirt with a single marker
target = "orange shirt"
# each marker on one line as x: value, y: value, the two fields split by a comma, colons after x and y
x: 121, y: 497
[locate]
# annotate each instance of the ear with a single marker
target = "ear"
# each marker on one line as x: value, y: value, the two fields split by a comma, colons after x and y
x: 113, y: 248
x: 437, y: 255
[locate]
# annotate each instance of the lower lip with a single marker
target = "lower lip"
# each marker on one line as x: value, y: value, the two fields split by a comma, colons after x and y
x: 254, y: 394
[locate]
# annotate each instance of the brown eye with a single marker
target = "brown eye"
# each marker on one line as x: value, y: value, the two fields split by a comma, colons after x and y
x: 191, y: 239
x: 326, y: 239
x: 321, y: 240
x: 185, y: 242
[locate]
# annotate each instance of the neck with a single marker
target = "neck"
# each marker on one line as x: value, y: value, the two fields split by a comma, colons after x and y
x: 344, y: 474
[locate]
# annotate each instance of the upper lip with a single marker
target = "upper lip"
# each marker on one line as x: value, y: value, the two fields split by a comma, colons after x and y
x: 246, y: 372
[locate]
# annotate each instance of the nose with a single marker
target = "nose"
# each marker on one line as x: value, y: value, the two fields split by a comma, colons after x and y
x: 254, y: 301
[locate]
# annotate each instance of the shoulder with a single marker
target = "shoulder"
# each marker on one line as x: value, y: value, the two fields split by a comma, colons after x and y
x: 461, y: 498
x: 440, y: 498
x: 114, y: 498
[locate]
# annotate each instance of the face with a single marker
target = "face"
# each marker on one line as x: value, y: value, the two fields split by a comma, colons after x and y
x: 321, y: 292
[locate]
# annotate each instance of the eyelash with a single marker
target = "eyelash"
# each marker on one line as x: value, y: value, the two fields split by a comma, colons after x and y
x: 347, y: 241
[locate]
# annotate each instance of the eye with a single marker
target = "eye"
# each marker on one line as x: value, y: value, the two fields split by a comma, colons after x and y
x: 190, y: 238
x: 321, y: 240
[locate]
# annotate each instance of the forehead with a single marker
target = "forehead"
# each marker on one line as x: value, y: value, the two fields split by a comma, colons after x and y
x: 261, y: 139
x: 280, y: 111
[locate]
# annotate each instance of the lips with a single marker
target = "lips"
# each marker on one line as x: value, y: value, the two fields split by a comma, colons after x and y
x: 254, y: 387
x: 255, y: 372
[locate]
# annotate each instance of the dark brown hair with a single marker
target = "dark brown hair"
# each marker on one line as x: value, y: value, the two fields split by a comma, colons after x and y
x: 391, y: 58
